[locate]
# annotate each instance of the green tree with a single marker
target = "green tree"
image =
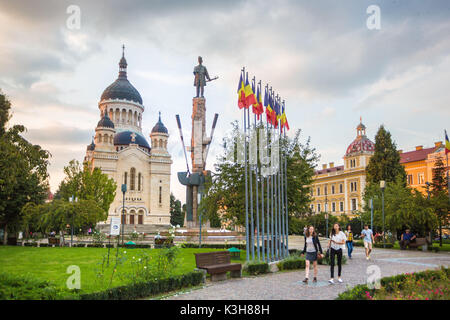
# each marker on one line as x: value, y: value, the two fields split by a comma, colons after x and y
x: 439, y: 195
x: 86, y: 183
x: 23, y: 172
x: 385, y: 162
x: 225, y: 191
x: 176, y: 213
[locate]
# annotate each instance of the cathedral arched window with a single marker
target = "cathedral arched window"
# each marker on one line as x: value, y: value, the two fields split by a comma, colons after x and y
x: 99, y: 138
x: 139, y: 181
x: 132, y: 178
x: 160, y: 143
x: 125, y: 178
x: 160, y: 195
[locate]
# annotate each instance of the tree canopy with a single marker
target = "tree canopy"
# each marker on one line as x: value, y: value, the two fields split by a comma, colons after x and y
x: 23, y: 171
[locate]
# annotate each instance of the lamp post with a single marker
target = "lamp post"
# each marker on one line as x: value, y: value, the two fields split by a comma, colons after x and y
x: 200, y: 220
x: 428, y: 198
x: 124, y: 189
x: 382, y: 187
x: 326, y: 210
x: 371, y: 214
x: 72, y: 199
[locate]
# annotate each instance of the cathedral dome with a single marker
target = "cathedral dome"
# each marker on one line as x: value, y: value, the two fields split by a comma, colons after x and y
x: 105, y: 122
x: 124, y: 138
x: 361, y: 143
x: 122, y: 88
x: 160, y: 127
x: 91, y: 147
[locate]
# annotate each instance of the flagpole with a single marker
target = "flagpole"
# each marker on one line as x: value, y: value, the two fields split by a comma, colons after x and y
x: 282, y: 198
x: 256, y: 181
x: 272, y: 239
x: 280, y: 252
x: 246, y: 190
x: 269, y: 234
x: 262, y: 190
x: 285, y: 190
x: 252, y: 231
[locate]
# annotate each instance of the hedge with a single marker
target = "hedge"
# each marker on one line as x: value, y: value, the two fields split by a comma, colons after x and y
x: 359, y: 291
x: 18, y: 287
x: 145, y: 289
x: 255, y: 268
x: 291, y: 263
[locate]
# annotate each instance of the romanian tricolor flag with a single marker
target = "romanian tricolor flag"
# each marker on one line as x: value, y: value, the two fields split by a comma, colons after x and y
x: 270, y: 114
x: 258, y: 108
x: 250, y: 98
x: 283, y: 119
x: 447, y: 143
x: 241, y: 93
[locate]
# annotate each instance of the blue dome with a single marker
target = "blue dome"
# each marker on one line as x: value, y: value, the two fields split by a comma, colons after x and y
x: 121, y: 89
x: 125, y: 137
x: 159, y: 126
x: 105, y: 122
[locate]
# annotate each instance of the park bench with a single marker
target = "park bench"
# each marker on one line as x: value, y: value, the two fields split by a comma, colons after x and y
x: 217, y: 264
x: 418, y: 243
x: 53, y: 241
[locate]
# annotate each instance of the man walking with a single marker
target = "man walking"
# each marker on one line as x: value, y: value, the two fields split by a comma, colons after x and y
x: 368, y: 240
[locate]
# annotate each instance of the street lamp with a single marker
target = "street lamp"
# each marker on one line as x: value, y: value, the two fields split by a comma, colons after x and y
x: 124, y: 189
x: 199, y: 196
x: 382, y: 187
x: 428, y: 198
x: 72, y: 199
x: 326, y: 212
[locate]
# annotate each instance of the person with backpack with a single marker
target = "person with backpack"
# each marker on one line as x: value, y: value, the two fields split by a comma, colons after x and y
x: 313, y: 251
x: 349, y: 242
x: 336, y: 244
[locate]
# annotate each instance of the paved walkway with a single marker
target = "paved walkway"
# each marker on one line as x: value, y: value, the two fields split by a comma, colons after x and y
x: 288, y: 285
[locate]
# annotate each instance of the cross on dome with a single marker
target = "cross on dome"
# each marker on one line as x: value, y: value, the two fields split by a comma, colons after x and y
x: 133, y: 137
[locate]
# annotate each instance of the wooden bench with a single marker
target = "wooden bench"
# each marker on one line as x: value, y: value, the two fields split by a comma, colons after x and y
x: 418, y: 243
x: 53, y: 241
x: 217, y: 264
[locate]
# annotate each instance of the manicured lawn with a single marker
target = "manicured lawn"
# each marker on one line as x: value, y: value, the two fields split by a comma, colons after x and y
x: 51, y: 263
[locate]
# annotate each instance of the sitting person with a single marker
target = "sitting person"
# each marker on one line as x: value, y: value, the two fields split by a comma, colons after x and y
x: 406, y: 239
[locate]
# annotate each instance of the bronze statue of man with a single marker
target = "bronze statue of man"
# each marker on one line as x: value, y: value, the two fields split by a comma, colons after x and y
x: 201, y: 74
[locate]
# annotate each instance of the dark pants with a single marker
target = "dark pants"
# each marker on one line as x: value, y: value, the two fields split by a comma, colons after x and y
x: 339, y: 261
x: 349, y: 248
x: 404, y: 244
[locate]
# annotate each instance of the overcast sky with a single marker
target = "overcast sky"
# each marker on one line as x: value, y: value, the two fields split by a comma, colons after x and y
x: 319, y: 56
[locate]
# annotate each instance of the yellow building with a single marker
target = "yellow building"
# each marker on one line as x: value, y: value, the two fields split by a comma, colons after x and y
x: 338, y: 190
x: 419, y: 164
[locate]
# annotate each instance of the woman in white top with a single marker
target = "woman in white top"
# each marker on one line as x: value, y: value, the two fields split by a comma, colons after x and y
x: 336, y: 244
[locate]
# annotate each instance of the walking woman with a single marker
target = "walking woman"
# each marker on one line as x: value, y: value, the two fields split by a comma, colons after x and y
x: 336, y: 244
x: 313, y: 252
x: 349, y: 242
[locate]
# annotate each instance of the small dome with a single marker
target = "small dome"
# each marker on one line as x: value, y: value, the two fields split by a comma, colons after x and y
x: 360, y: 144
x: 105, y: 122
x: 160, y: 127
x: 91, y: 147
x: 124, y: 138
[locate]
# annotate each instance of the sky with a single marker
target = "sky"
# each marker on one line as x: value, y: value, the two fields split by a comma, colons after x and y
x: 319, y: 56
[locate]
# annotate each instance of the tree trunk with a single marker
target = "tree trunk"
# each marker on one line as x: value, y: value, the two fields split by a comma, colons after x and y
x: 5, y: 235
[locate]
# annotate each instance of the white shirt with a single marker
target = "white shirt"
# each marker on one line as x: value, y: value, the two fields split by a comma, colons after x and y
x: 340, y: 237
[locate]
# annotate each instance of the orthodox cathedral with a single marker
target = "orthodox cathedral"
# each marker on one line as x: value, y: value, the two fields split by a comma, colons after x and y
x: 122, y: 152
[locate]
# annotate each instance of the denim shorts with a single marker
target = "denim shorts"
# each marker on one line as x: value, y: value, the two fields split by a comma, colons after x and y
x: 311, y: 256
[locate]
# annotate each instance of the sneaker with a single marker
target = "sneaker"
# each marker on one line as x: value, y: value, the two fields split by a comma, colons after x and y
x: 331, y: 281
x: 367, y: 258
x: 306, y: 280
x: 340, y: 280
x: 315, y: 279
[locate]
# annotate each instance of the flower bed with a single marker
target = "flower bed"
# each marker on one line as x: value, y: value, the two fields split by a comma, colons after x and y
x: 426, y: 285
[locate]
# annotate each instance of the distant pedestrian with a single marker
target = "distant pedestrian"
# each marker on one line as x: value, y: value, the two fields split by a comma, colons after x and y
x: 313, y: 251
x: 368, y: 240
x: 336, y: 244
x: 349, y: 242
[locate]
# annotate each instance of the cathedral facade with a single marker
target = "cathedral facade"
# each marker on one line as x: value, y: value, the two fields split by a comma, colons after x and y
x: 122, y: 152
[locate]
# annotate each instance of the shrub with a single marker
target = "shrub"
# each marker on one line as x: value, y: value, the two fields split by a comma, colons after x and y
x: 255, y: 268
x: 430, y: 284
x: 13, y: 287
x: 145, y: 289
x: 291, y: 263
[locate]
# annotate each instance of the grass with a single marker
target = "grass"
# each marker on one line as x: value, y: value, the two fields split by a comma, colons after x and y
x: 51, y: 263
